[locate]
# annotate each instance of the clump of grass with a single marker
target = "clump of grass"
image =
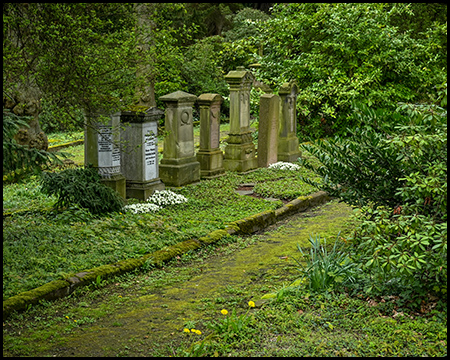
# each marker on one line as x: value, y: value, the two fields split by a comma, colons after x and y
x: 326, y: 270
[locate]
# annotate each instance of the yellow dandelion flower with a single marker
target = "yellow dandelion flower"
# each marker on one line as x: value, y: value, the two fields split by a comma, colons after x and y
x: 251, y: 304
x: 67, y: 317
x: 198, y: 332
x: 224, y: 312
x: 186, y: 330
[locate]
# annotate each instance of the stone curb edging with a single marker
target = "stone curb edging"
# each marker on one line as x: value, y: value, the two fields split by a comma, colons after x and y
x: 55, y: 148
x: 60, y: 288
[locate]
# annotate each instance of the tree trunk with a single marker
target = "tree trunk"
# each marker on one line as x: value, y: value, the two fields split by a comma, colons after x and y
x: 26, y: 102
x: 145, y: 93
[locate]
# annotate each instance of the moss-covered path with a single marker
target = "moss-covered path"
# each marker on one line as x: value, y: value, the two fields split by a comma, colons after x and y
x: 144, y: 314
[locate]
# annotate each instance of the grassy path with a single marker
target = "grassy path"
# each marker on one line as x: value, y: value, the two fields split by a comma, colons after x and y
x: 145, y: 314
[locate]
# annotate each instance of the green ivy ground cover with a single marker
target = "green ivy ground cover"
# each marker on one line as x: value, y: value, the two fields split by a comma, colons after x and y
x: 40, y: 246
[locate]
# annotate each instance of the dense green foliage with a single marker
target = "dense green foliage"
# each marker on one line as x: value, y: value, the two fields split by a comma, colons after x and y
x: 81, y: 187
x: 345, y: 52
x: 397, y: 174
x: 75, y: 54
x: 377, y: 54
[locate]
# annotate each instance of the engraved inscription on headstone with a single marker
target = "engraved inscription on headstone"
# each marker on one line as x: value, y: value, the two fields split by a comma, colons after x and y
x: 108, y: 153
x: 150, y: 152
x: 140, y: 153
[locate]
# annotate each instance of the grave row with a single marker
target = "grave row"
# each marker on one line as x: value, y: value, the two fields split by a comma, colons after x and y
x: 125, y: 150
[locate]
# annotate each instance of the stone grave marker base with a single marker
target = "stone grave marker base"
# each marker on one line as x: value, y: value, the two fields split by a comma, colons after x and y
x: 143, y: 190
x: 288, y: 150
x: 179, y: 172
x: 116, y: 182
x: 211, y: 163
x: 240, y: 157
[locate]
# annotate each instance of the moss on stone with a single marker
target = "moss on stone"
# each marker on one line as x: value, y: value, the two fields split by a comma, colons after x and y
x: 165, y: 254
x: 256, y: 222
x: 137, y: 108
x: 130, y: 264
x: 213, y: 236
x: 48, y: 291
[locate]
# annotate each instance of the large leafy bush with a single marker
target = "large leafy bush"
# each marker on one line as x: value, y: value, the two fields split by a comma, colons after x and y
x: 341, y: 52
x: 397, y: 175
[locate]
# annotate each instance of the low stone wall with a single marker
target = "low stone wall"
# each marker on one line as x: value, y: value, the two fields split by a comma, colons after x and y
x: 60, y: 288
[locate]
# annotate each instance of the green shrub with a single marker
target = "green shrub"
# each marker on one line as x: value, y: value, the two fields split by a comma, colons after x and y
x: 341, y: 52
x: 396, y: 171
x: 390, y: 160
x: 408, y: 248
x: 359, y: 169
x: 81, y: 187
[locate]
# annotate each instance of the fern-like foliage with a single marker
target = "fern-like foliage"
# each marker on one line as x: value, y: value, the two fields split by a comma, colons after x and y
x: 82, y: 187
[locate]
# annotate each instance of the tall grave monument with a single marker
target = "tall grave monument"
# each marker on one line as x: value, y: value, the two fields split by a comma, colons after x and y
x: 287, y: 139
x: 139, y: 141
x: 240, y: 150
x: 269, y: 113
x: 102, y: 151
x: 179, y: 165
x: 209, y: 155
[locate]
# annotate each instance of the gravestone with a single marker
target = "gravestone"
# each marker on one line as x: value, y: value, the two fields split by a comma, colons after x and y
x: 287, y: 137
x: 240, y: 150
x: 209, y: 155
x: 101, y: 149
x: 179, y: 165
x: 269, y: 113
x: 140, y: 164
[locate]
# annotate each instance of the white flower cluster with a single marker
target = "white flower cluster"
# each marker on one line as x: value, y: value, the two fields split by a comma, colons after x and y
x: 166, y: 197
x: 156, y: 201
x: 141, y: 208
x: 281, y: 165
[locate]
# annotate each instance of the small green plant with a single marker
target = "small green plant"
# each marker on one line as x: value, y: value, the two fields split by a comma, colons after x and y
x: 81, y: 187
x: 99, y: 282
x: 326, y: 270
x: 233, y: 325
x: 197, y: 348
